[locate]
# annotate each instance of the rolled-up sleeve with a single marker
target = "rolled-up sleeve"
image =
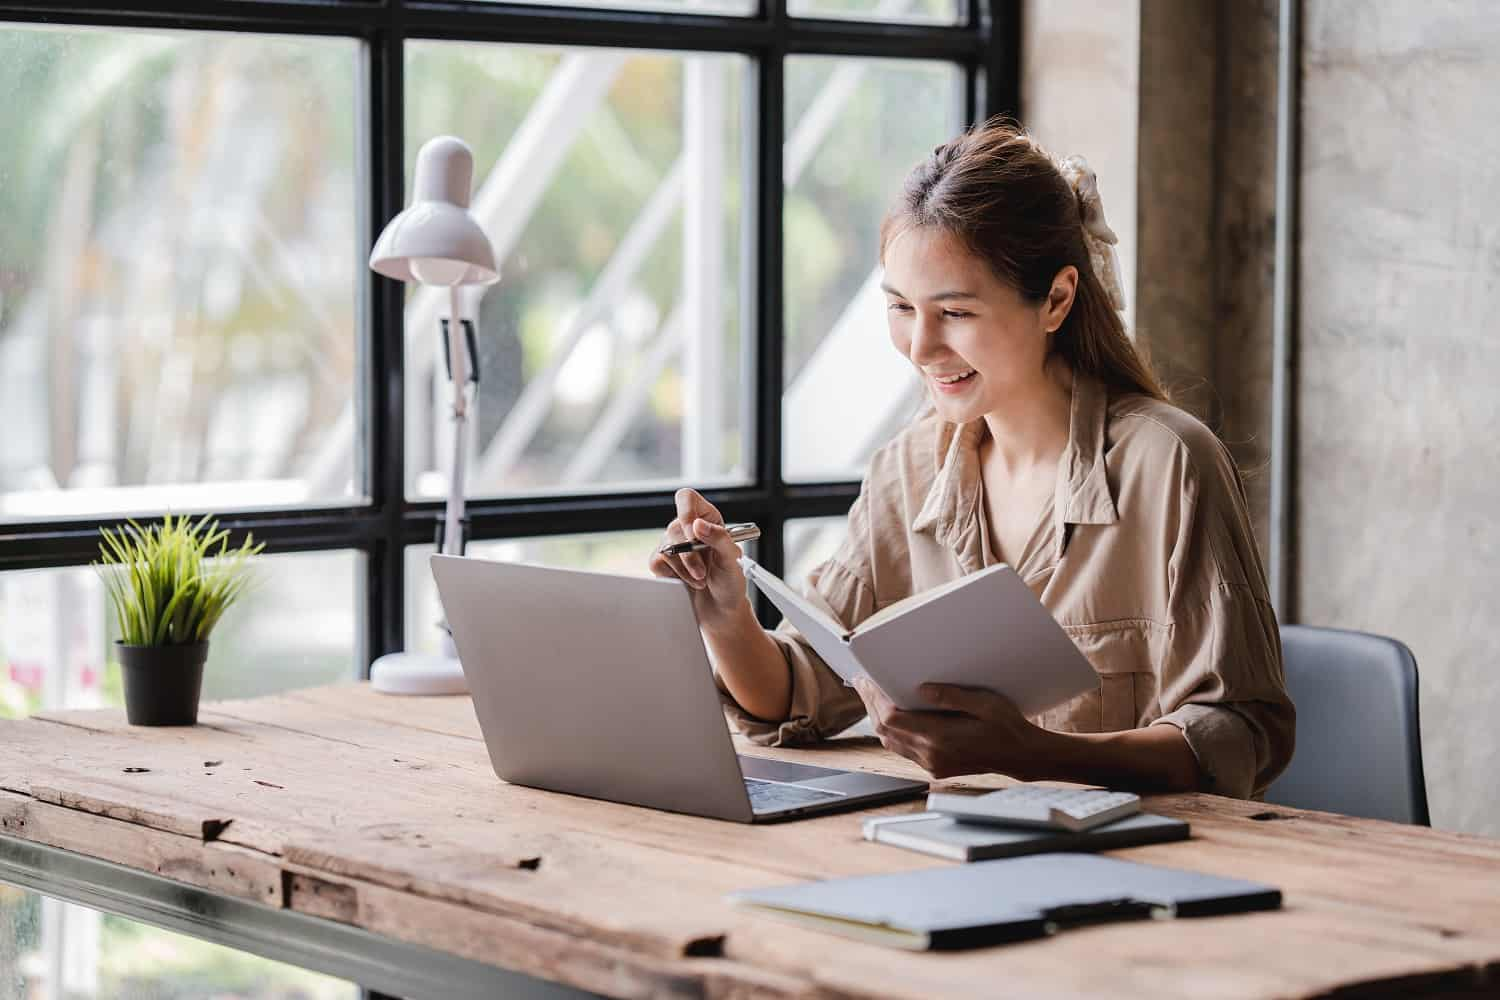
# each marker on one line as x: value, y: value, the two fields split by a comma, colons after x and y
x: 1220, y: 678
x: 1220, y: 683
x: 822, y: 706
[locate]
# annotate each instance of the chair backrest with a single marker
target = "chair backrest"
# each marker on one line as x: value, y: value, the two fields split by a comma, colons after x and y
x: 1359, y: 750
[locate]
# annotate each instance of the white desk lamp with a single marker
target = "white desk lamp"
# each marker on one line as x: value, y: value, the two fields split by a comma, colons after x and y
x: 437, y: 242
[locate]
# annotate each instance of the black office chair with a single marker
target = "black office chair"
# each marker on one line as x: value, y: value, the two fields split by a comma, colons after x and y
x: 1359, y: 750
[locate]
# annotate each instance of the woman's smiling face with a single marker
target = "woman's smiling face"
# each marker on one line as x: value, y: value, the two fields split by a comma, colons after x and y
x: 972, y: 338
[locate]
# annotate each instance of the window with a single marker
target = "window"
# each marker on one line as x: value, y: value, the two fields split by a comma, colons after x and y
x: 809, y: 542
x: 297, y: 625
x: 684, y: 194
x: 178, y: 275
x: 621, y: 552
x: 741, y: 7
x: 854, y: 127
x: 611, y: 183
x: 685, y: 202
x: 53, y: 949
x: 913, y: 11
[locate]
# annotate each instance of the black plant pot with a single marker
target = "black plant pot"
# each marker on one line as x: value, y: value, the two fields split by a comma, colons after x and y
x: 162, y: 683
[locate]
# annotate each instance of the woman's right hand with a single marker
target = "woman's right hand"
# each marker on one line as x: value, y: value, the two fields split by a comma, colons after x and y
x: 713, y: 575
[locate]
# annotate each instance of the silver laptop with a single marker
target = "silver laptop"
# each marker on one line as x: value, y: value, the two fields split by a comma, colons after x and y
x: 599, y: 685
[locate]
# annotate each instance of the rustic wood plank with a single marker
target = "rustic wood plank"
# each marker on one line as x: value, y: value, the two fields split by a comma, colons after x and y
x: 696, y: 835
x: 154, y: 777
x: 527, y: 948
x: 343, y: 711
x: 148, y: 811
x: 650, y: 901
x: 444, y: 714
x: 447, y: 817
x: 799, y: 850
x: 386, y: 814
x: 1223, y: 821
x: 233, y: 871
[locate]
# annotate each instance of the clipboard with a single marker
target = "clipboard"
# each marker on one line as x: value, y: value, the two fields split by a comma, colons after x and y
x: 1012, y: 899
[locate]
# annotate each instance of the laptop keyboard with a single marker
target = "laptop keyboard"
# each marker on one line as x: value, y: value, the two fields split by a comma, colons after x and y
x: 771, y: 796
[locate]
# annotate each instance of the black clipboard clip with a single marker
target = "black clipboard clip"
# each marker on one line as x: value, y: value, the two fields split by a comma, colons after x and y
x: 1059, y: 918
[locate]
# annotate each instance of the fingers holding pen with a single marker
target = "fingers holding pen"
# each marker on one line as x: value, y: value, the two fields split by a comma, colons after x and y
x: 722, y: 557
x: 692, y: 508
x: 689, y: 567
x: 693, y: 561
x: 670, y: 565
x: 702, y: 567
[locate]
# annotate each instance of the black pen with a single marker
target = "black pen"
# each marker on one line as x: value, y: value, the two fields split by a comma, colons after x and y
x: 742, y: 532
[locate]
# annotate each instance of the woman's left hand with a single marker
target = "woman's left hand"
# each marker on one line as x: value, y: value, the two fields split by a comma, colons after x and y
x: 972, y: 731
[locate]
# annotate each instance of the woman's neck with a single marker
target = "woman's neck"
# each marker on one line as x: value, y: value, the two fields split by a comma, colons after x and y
x: 1032, y: 426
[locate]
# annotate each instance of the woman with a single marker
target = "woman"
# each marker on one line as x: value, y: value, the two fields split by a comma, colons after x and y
x: 1048, y: 446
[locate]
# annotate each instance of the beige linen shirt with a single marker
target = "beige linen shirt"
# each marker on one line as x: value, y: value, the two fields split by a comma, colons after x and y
x: 1144, y: 555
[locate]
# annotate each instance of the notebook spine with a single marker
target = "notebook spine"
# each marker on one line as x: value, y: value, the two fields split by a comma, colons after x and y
x: 905, y: 832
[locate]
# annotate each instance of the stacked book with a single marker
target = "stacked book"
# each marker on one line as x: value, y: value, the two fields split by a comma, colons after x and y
x: 1024, y: 819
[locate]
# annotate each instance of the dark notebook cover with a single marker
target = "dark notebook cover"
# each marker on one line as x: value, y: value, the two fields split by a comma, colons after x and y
x: 934, y: 833
x: 989, y: 902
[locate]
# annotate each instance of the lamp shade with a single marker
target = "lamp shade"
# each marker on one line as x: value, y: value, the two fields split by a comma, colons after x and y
x: 436, y: 241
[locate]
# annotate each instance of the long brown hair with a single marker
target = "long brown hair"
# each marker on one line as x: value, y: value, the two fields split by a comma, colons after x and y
x: 1001, y: 195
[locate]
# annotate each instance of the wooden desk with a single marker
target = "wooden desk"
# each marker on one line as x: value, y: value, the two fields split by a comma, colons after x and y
x: 381, y: 813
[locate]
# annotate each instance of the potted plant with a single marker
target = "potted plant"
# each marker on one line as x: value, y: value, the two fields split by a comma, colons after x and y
x: 169, y: 588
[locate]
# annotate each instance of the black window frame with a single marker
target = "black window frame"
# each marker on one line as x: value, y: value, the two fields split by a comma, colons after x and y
x: 986, y: 48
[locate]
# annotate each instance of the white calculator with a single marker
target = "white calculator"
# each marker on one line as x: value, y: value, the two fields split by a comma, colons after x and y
x: 1038, y: 807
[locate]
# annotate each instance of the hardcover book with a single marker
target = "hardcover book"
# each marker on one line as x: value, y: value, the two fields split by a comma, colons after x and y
x: 984, y: 630
x: 934, y: 833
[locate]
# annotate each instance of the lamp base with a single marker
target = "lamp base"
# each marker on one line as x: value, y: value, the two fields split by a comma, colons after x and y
x: 417, y: 673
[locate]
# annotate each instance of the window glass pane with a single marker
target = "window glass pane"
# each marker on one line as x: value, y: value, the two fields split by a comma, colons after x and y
x: 179, y: 271
x: 908, y: 11
x: 623, y: 552
x: 50, y: 950
x: 809, y: 541
x: 742, y: 7
x: 296, y: 626
x: 855, y: 127
x: 610, y: 183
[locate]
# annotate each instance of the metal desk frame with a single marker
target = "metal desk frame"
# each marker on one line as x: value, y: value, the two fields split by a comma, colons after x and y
x: 374, y: 962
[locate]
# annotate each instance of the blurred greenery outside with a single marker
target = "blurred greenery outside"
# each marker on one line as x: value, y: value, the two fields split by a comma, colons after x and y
x: 628, y: 143
x: 919, y: 12
x: 141, y: 962
x: 832, y: 215
x: 294, y: 627
x: 164, y: 177
x: 113, y: 92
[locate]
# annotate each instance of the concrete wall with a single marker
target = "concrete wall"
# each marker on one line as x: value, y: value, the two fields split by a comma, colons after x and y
x: 1397, y: 489
x: 1398, y: 455
x: 1244, y: 244
x: 1175, y: 191
x: 1174, y: 102
x: 1207, y: 195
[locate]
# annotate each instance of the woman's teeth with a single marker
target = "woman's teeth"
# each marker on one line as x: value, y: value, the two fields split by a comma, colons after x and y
x: 950, y: 379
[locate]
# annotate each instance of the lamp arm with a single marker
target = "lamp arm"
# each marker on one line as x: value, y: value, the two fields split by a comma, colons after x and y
x: 458, y: 361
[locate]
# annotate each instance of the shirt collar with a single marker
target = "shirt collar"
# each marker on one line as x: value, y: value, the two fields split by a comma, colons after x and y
x: 954, y: 495
x: 1083, y: 494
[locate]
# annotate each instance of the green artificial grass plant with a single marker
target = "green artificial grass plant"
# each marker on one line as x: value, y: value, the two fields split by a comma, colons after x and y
x: 166, y: 584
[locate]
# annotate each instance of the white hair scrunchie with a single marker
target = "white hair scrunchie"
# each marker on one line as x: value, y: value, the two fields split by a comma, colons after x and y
x: 1098, y: 238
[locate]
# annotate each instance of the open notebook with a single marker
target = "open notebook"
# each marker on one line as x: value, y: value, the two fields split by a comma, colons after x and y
x: 985, y: 630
